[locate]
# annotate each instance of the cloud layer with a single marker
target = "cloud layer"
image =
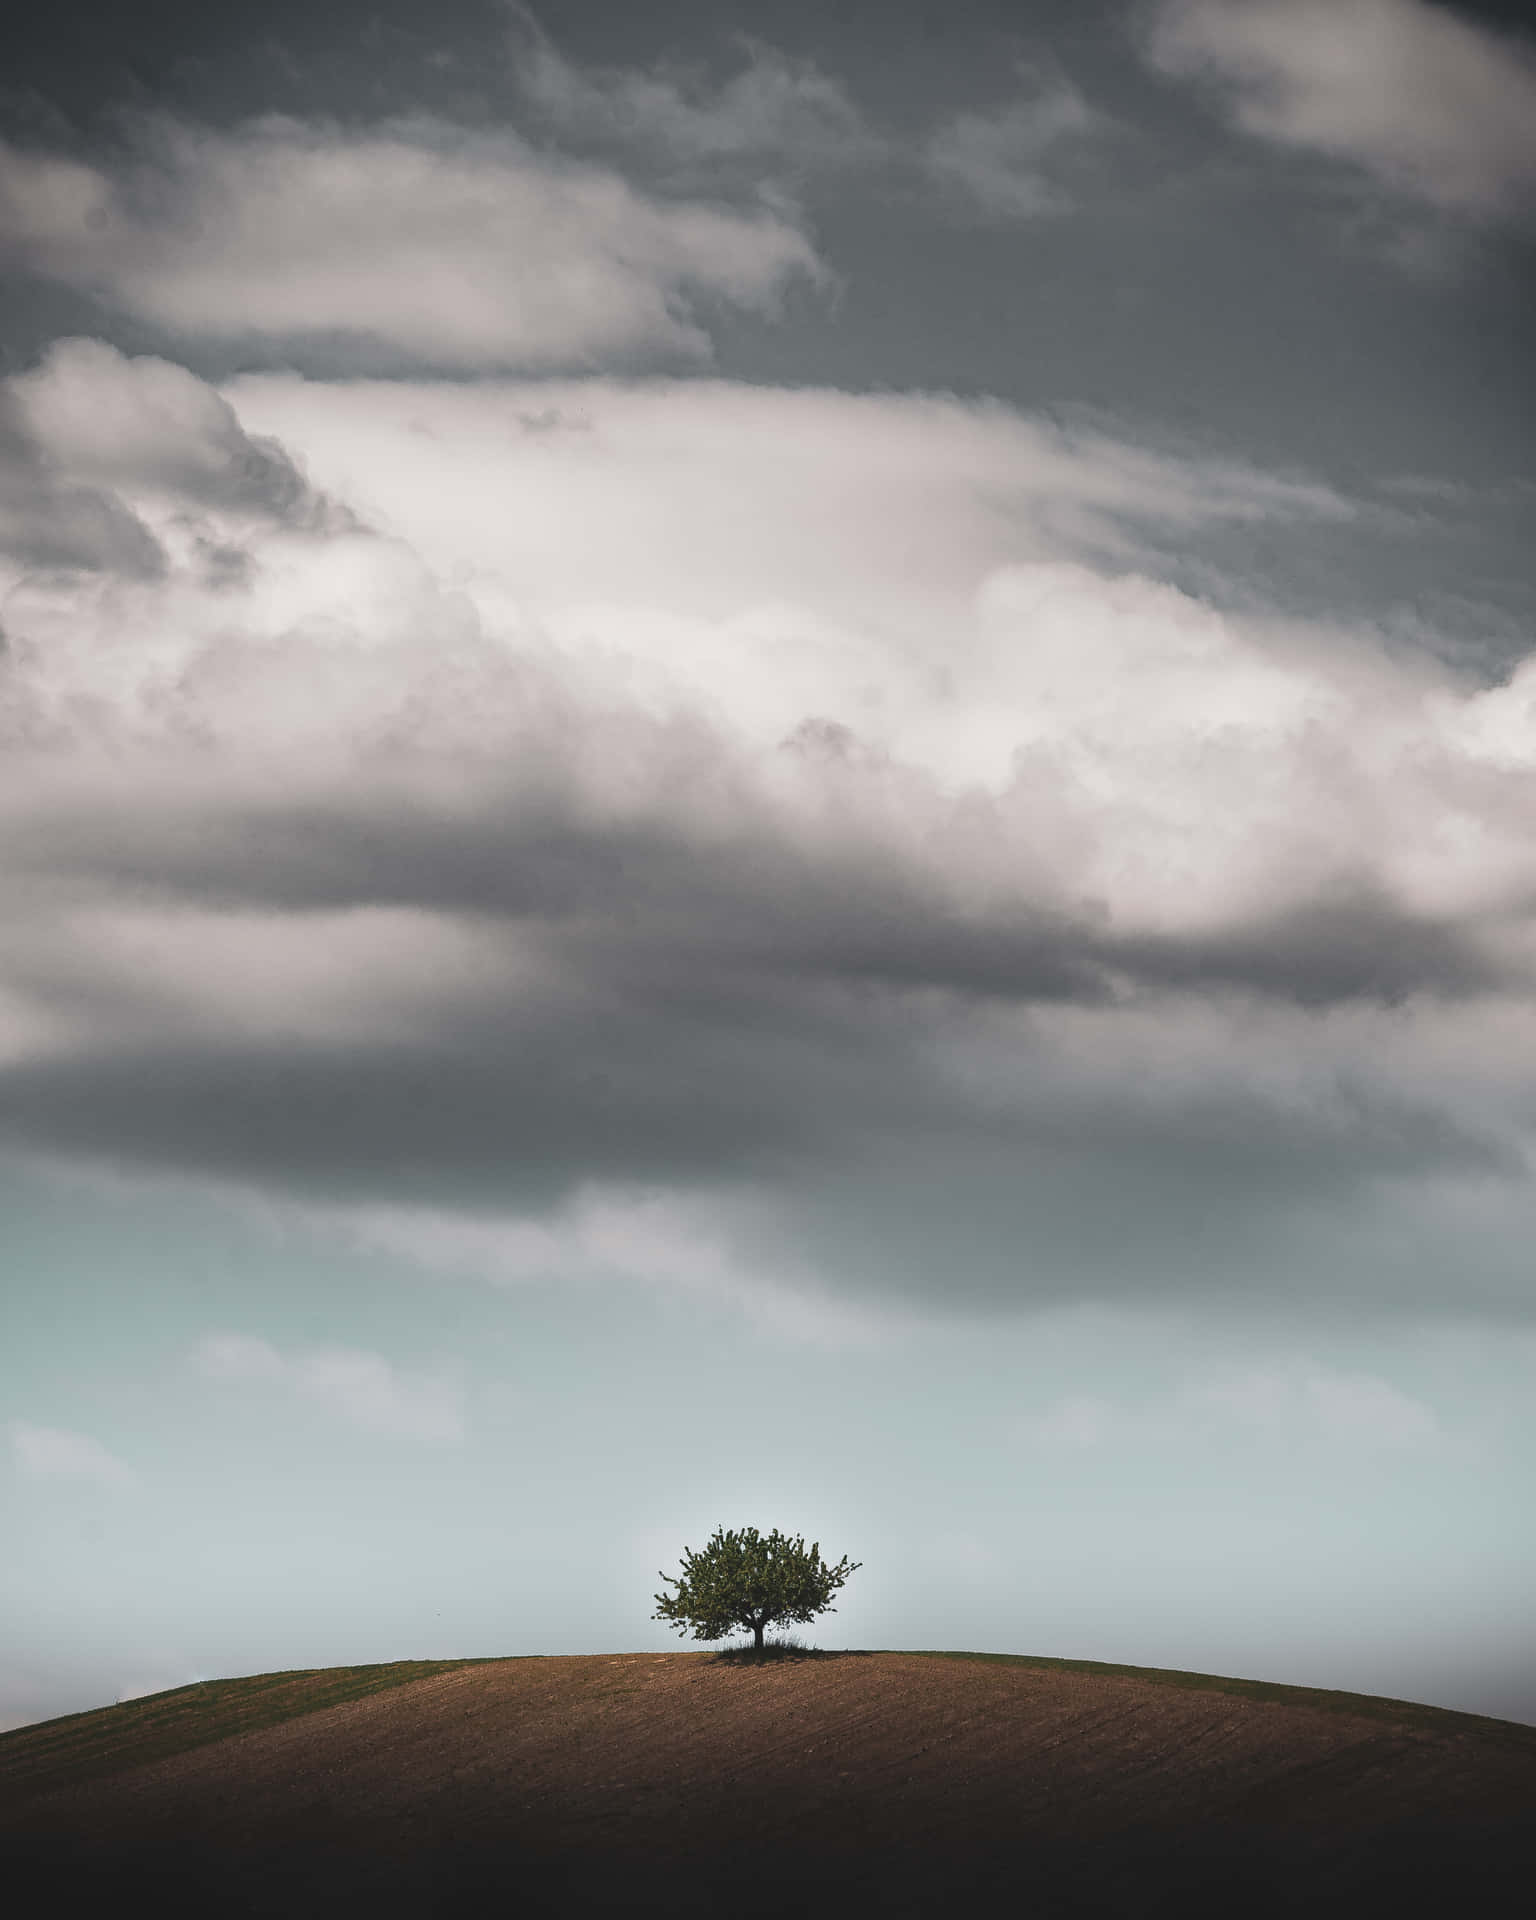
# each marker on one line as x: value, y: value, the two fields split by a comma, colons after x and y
x: 510, y: 807
x: 359, y: 1387
x: 415, y: 240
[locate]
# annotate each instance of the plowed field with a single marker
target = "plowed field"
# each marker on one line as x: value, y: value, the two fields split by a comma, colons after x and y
x: 904, y: 1783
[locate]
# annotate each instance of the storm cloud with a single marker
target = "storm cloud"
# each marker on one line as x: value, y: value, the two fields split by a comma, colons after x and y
x: 480, y: 871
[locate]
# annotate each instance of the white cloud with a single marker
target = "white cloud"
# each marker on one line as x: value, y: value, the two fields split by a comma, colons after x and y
x: 729, y: 555
x: 672, y: 1245
x: 59, y: 1453
x: 754, y: 530
x: 1004, y: 161
x: 148, y: 425
x: 1423, y: 99
x: 356, y: 1386
x: 460, y: 250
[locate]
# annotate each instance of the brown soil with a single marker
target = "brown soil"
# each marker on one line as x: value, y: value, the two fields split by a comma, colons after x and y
x: 682, y: 1783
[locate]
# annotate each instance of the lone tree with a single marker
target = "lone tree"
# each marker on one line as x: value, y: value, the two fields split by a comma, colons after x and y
x: 745, y: 1579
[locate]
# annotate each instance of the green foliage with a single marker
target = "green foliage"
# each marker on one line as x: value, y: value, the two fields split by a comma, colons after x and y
x: 747, y: 1579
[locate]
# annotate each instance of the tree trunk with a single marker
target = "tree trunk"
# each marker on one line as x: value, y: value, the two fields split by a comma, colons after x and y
x: 757, y: 1628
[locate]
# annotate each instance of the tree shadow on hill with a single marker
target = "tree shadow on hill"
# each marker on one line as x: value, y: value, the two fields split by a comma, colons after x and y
x: 782, y: 1647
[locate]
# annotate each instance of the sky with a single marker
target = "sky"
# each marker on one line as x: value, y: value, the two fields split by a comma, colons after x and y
x: 768, y: 765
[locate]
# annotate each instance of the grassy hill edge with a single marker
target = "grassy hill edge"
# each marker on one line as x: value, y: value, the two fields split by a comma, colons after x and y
x: 80, y: 1747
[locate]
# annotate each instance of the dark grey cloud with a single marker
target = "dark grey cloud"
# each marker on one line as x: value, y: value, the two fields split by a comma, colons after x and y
x: 675, y: 1052
x: 819, y: 1118
x: 815, y: 1030
x: 745, y: 907
x: 1352, y: 941
x: 1223, y: 1201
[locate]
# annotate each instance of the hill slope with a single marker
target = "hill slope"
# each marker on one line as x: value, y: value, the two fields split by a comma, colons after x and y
x: 81, y: 1747
x: 690, y: 1783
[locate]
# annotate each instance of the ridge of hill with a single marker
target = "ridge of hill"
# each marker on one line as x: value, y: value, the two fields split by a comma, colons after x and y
x: 699, y: 1783
x: 77, y: 1748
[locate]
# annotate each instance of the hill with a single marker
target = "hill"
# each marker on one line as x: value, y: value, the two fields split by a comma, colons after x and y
x: 700, y: 1783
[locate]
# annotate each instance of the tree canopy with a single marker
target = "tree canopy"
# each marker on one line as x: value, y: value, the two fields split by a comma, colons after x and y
x: 750, y: 1580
